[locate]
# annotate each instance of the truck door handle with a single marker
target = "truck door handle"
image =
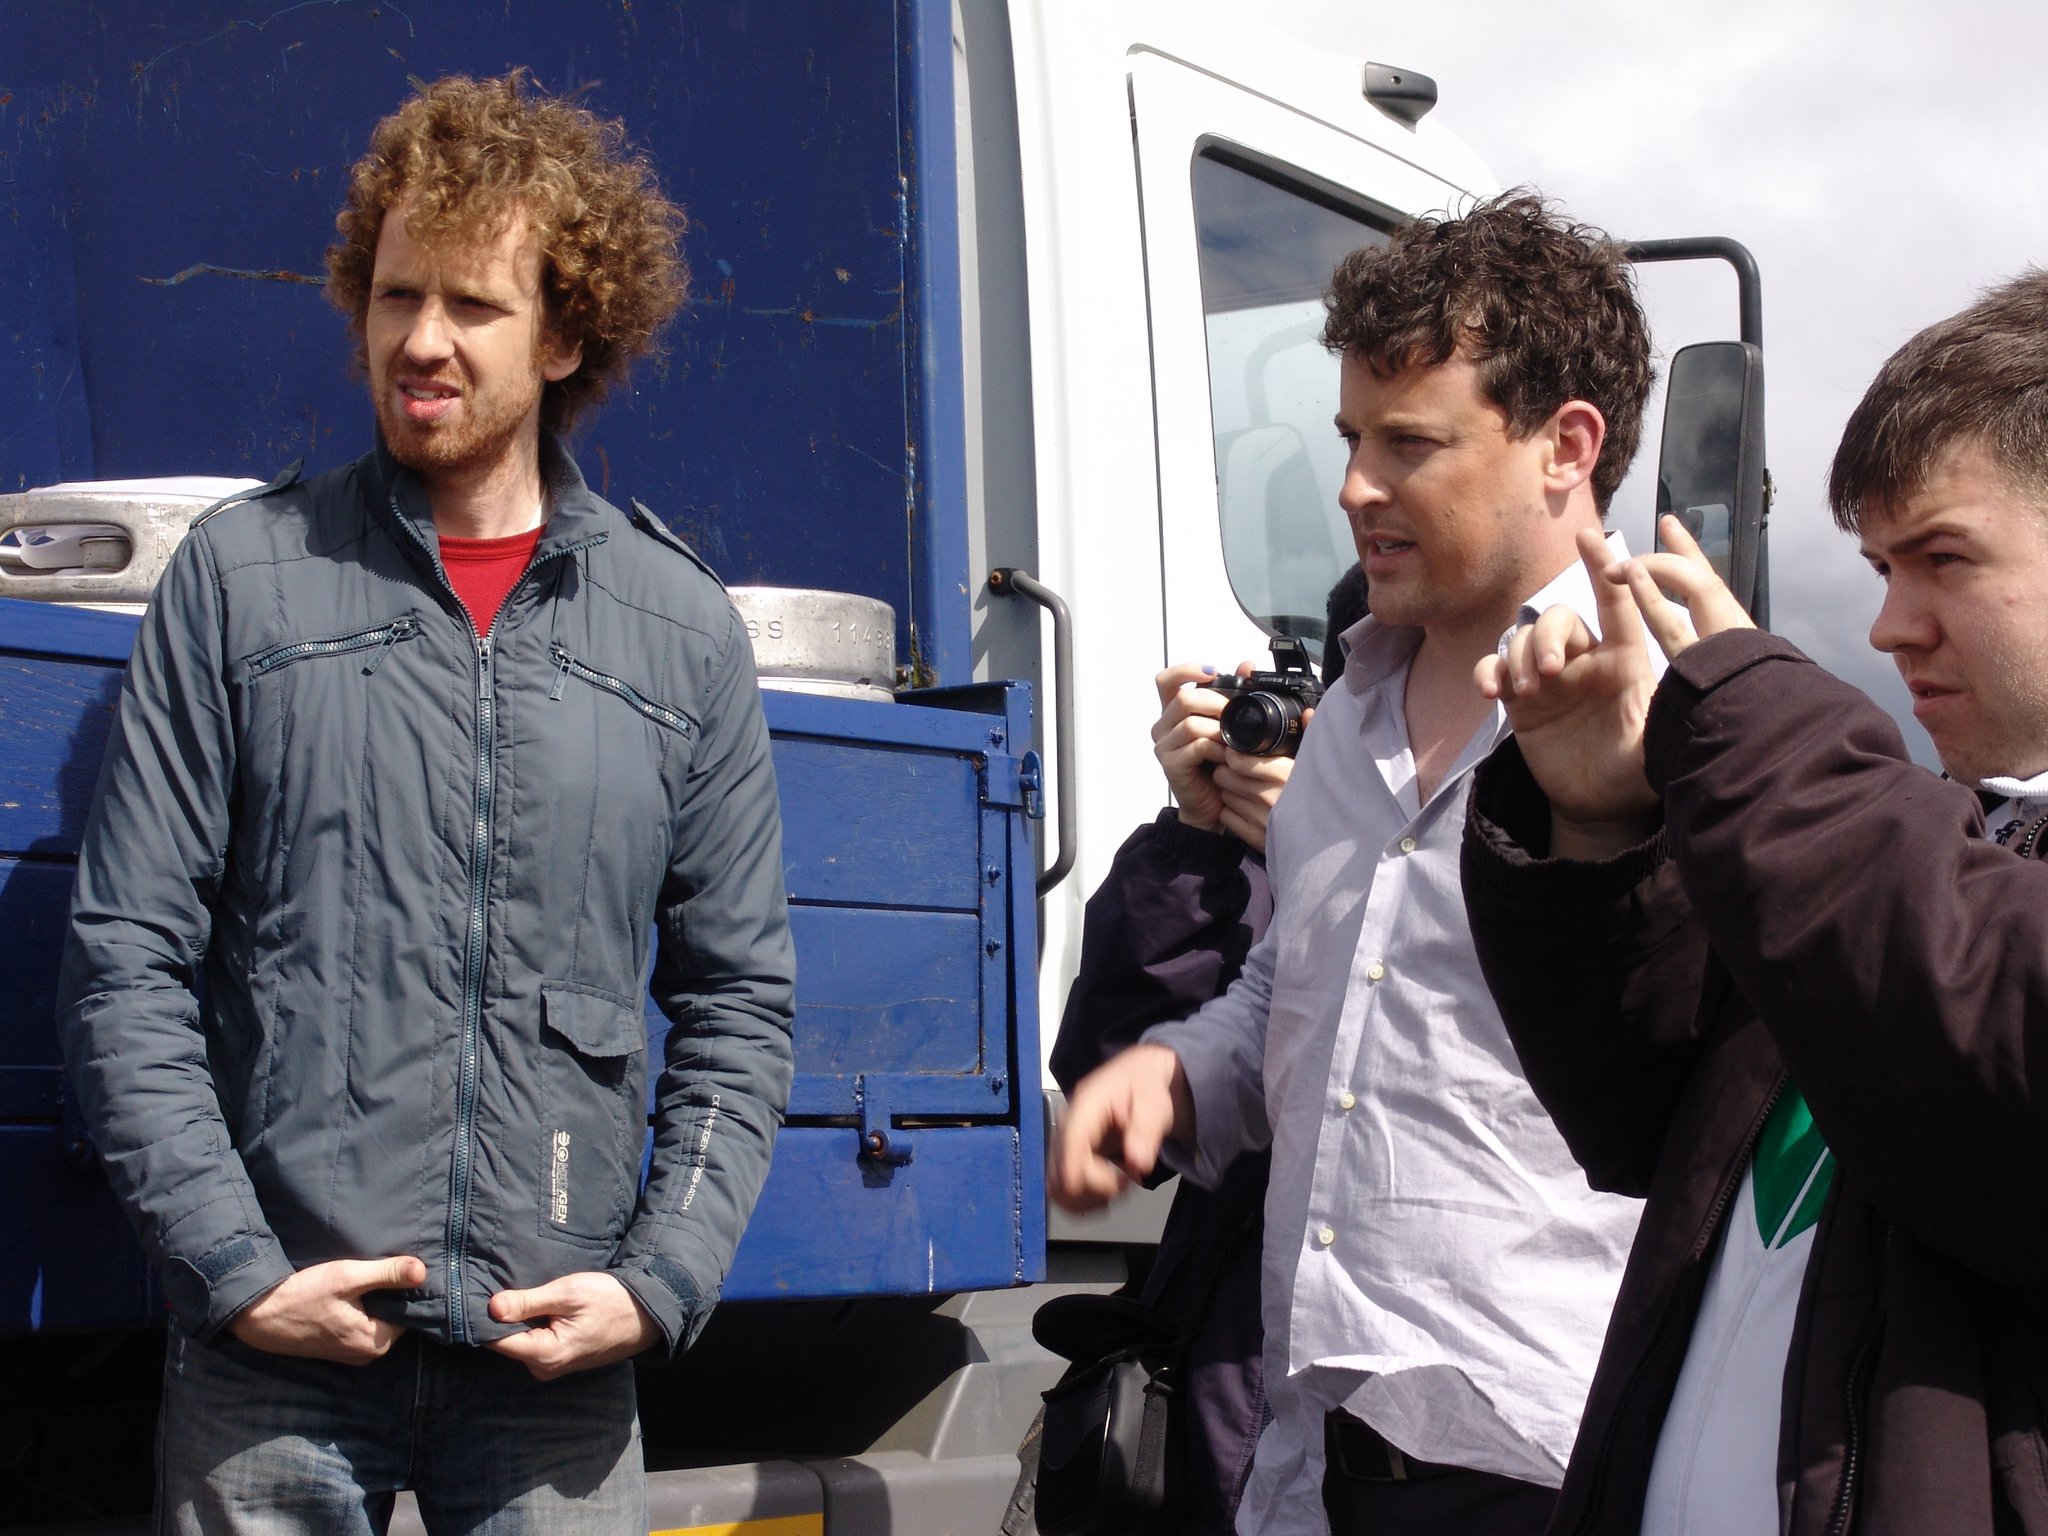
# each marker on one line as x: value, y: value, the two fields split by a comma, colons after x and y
x: 1011, y: 581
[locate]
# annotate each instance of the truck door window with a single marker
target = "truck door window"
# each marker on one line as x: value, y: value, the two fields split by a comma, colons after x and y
x: 1267, y: 250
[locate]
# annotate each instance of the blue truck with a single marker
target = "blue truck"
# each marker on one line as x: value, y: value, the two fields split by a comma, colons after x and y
x: 981, y: 286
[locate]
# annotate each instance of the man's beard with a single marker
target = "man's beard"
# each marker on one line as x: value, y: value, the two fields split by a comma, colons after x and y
x: 487, y: 429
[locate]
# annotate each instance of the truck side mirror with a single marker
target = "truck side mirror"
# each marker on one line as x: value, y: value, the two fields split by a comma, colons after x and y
x: 1710, y: 469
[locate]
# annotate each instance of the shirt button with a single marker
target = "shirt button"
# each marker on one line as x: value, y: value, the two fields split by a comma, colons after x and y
x: 1375, y: 971
x: 1325, y: 1236
x: 1407, y: 845
x: 1347, y: 1099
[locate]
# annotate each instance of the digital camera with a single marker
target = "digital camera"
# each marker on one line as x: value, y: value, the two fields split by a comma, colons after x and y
x: 1264, y: 715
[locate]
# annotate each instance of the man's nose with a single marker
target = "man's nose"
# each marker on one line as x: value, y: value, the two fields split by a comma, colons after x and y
x: 1363, y: 487
x: 429, y: 339
x: 1902, y: 622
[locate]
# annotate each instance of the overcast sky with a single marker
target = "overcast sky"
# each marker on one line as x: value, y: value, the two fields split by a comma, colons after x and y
x: 1879, y: 158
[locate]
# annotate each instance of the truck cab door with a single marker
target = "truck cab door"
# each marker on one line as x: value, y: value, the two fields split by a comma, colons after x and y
x: 1248, y: 205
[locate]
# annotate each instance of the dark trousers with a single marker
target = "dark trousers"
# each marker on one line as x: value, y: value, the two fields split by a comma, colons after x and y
x: 1371, y: 1489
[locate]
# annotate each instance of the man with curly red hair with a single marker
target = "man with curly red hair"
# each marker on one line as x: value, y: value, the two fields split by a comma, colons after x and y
x: 412, y: 759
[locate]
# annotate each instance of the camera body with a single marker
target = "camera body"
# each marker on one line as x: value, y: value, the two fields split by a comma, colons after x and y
x: 1265, y: 713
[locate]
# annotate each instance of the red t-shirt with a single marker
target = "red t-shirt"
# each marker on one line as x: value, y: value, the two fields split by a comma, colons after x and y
x: 483, y: 572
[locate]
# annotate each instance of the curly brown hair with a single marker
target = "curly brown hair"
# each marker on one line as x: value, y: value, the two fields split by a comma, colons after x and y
x: 475, y: 154
x: 1545, y: 308
x: 1979, y: 376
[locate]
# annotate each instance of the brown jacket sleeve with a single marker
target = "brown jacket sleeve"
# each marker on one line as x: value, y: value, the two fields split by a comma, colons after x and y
x: 1899, y: 959
x: 1596, y: 969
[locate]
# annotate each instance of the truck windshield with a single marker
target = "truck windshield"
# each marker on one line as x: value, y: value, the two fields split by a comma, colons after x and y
x: 1267, y: 252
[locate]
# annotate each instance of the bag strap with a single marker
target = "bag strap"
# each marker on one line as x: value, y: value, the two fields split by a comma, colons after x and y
x: 1150, y: 1471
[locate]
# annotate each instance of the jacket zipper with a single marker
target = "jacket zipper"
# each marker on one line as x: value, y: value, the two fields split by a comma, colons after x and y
x: 472, y: 990
x: 1714, y: 1214
x: 381, y: 636
x: 1852, y: 1452
x: 660, y: 714
x: 473, y: 942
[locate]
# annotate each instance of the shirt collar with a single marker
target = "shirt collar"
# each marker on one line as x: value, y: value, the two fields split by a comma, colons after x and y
x: 1570, y: 586
x: 574, y: 514
x: 2008, y: 788
x: 1374, y: 651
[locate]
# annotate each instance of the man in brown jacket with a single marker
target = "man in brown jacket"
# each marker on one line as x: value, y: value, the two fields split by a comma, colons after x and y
x: 1793, y: 989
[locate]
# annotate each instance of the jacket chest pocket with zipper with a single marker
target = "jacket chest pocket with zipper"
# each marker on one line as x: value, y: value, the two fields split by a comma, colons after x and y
x: 325, y: 723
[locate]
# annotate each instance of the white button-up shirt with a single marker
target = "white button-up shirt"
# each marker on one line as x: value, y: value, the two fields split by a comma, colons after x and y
x: 1435, y: 1262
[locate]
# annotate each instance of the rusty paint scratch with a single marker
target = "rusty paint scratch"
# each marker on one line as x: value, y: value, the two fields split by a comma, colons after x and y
x: 812, y: 317
x: 208, y: 269
x: 887, y: 469
x: 143, y: 70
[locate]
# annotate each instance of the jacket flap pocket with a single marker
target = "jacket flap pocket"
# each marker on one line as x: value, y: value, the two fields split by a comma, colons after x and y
x: 596, y: 1023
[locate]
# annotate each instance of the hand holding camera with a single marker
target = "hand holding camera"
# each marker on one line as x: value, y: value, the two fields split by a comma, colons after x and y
x: 1226, y: 743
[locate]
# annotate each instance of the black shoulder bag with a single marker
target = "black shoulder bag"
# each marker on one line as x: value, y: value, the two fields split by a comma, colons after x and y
x: 1110, y: 1457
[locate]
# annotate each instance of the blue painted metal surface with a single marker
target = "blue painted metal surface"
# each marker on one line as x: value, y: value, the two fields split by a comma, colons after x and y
x: 67, y: 1260
x: 909, y: 865
x: 169, y: 177
x: 930, y: 1225
x: 911, y: 894
x: 936, y: 387
x: 66, y: 1257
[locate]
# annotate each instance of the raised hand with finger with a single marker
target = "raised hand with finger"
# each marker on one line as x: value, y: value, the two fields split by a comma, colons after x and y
x: 1577, y: 704
x: 1682, y: 598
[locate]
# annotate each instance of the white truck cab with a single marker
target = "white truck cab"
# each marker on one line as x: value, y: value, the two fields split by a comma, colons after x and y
x: 1150, y: 217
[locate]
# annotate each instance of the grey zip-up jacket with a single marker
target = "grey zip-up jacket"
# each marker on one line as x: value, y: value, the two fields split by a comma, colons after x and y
x: 360, y: 938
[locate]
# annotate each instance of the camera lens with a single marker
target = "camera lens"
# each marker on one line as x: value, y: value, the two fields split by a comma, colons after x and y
x: 1261, y: 724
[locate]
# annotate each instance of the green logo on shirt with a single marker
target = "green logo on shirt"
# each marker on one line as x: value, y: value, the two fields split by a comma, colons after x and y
x: 1792, y: 1168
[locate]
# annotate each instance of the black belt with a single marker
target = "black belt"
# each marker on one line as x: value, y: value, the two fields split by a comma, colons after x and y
x: 1353, y: 1448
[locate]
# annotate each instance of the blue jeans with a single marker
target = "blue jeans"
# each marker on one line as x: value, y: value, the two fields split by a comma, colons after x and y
x: 268, y: 1445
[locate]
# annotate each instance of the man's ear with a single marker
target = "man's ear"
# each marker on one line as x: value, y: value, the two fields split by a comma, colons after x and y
x: 1573, y: 438
x: 557, y: 361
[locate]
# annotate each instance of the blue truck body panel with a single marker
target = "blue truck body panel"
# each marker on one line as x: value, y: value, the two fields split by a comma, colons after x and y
x: 909, y: 869
x: 169, y: 177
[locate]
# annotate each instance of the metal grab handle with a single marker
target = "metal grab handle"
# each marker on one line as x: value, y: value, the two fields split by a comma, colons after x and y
x: 1010, y: 581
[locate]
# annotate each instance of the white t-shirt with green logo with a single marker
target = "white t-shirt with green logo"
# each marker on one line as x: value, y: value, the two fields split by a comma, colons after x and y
x: 1716, y: 1469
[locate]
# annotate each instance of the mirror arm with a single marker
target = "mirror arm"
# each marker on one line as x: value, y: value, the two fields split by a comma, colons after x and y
x: 1749, y: 293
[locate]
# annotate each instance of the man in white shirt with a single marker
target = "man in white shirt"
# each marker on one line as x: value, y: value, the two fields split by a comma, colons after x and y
x: 1437, y: 1274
